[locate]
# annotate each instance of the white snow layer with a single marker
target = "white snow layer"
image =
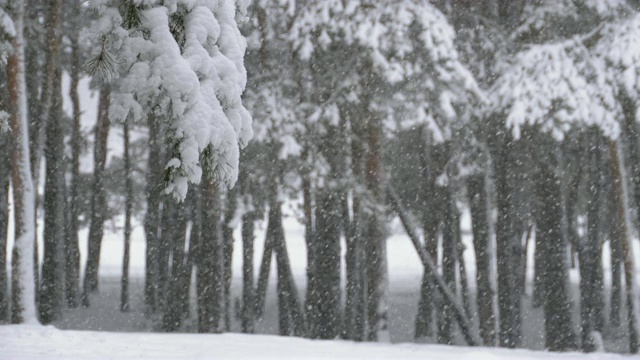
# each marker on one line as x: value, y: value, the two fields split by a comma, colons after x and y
x: 193, y: 83
x: 38, y: 342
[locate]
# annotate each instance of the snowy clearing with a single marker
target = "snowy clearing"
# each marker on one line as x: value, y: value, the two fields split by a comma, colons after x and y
x: 18, y: 343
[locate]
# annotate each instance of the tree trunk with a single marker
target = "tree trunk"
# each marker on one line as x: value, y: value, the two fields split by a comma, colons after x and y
x: 128, y: 209
x: 228, y: 240
x: 431, y: 200
x: 325, y: 316
x: 98, y: 200
x: 286, y: 285
x: 52, y: 286
x: 152, y: 217
x: 23, y: 309
x: 209, y: 275
x: 508, y: 302
x: 172, y: 314
x: 377, y: 272
x: 72, y: 251
x: 427, y: 261
x: 449, y: 221
x: 591, y: 282
x: 248, y: 304
x: 622, y: 200
x: 4, y: 227
x: 263, y: 276
x: 480, y: 228
x: 616, y: 268
x: 557, y: 308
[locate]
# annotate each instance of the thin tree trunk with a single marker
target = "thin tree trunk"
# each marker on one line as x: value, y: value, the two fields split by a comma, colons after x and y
x: 4, y: 227
x: 248, y: 304
x: 23, y: 309
x: 480, y: 228
x: 98, y: 200
x: 128, y: 209
x: 616, y: 268
x: 263, y: 276
x: 622, y: 200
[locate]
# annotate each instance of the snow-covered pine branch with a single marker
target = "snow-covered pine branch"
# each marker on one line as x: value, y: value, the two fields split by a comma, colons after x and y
x: 182, y: 61
x: 411, y: 47
x: 556, y: 87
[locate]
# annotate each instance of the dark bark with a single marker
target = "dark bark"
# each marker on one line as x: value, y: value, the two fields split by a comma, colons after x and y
x: 72, y: 251
x: 427, y: 261
x: 557, y: 308
x: 589, y: 252
x: 128, y: 208
x: 480, y: 228
x: 209, y: 273
x: 325, y: 315
x: 98, y: 200
x: 508, y: 302
x: 152, y: 217
x: 287, y: 290
x: 618, y: 172
x: 263, y: 276
x: 449, y: 242
x: 228, y: 240
x: 376, y: 242
x: 4, y: 227
x: 248, y: 304
x: 52, y: 286
x: 172, y: 314
x: 309, y: 238
x: 616, y: 268
x: 431, y: 201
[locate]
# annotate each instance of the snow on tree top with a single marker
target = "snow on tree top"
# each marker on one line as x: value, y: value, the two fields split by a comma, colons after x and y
x: 555, y: 87
x: 182, y: 61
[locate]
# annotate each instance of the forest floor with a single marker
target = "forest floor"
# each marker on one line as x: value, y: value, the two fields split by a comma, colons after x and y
x: 37, y: 342
x: 405, y: 273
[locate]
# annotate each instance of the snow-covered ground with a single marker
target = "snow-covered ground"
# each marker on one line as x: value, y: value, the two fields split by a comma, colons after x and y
x: 33, y: 342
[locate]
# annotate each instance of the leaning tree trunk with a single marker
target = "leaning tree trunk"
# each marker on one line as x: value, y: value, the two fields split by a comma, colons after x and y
x: 480, y: 229
x: 557, y: 308
x: 98, y: 200
x: 616, y: 268
x: 52, y: 286
x: 23, y: 309
x: 622, y: 200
